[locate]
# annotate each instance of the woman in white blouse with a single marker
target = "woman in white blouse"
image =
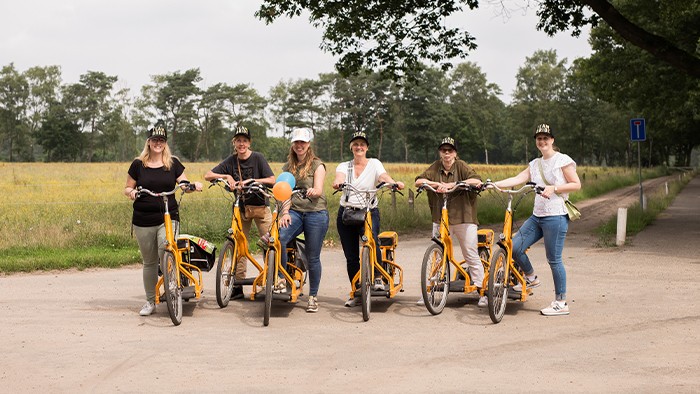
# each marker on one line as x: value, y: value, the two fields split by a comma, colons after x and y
x: 549, y: 218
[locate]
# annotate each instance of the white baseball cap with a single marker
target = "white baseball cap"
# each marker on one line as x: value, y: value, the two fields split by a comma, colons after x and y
x: 301, y: 134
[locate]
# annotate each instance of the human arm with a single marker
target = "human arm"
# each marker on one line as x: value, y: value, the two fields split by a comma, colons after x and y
x: 385, y: 177
x: 573, y: 183
x: 130, y: 188
x: 197, y: 185
x: 319, y: 177
x: 339, y: 179
x: 521, y: 178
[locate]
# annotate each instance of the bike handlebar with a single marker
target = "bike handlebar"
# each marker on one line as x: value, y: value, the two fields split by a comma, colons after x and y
x: 461, y: 185
x: 141, y: 189
x: 530, y: 186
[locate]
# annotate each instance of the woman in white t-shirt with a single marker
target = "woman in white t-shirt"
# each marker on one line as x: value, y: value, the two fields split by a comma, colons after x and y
x: 364, y: 174
x: 549, y: 218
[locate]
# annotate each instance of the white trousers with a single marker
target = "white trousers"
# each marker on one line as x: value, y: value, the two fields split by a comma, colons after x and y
x: 466, y: 236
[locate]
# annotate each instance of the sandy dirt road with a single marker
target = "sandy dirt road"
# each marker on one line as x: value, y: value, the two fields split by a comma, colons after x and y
x: 634, y: 327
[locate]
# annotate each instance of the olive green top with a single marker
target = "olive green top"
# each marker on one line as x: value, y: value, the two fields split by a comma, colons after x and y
x: 302, y: 204
x: 461, y: 205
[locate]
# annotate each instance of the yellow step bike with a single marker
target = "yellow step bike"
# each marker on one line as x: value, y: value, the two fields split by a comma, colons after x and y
x: 504, y: 274
x: 236, y: 251
x: 436, y: 280
x: 183, y: 261
x: 389, y: 271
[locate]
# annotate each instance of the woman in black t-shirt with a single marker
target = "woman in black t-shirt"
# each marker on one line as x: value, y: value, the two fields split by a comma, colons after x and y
x: 156, y: 169
x: 242, y: 167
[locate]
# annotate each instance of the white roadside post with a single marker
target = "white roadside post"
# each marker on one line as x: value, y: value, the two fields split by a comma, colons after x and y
x: 621, y: 226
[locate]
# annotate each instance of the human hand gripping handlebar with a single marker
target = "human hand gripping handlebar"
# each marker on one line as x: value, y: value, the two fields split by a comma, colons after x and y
x: 180, y: 185
x: 461, y: 185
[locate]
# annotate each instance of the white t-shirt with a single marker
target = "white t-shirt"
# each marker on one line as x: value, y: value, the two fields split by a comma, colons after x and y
x: 365, y: 181
x: 552, y: 169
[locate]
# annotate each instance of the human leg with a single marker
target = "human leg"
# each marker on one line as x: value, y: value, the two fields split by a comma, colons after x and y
x: 554, y: 230
x: 466, y: 234
x: 296, y: 226
x: 147, y: 238
x: 349, y: 239
x: 529, y: 233
x: 315, y: 229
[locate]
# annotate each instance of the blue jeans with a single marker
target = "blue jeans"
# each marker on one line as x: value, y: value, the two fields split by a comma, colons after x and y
x: 314, y: 225
x: 350, y: 239
x: 553, y: 229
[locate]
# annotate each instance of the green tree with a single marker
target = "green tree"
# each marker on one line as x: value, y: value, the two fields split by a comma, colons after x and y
x: 44, y: 85
x: 397, y: 35
x: 89, y: 102
x: 14, y: 93
x: 60, y: 135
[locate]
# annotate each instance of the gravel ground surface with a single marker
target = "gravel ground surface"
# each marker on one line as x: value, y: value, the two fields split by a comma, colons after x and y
x: 633, y: 327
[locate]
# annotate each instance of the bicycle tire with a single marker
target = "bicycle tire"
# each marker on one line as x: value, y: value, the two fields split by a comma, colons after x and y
x: 485, y: 257
x: 173, y: 293
x: 269, y: 284
x: 225, y: 272
x: 436, y: 275
x: 366, y: 284
x: 497, y: 292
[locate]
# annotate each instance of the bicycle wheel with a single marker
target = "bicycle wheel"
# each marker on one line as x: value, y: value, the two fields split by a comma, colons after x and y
x: 225, y: 274
x: 269, y: 284
x: 485, y: 257
x: 435, y: 279
x: 173, y: 293
x: 366, y: 284
x: 498, y: 285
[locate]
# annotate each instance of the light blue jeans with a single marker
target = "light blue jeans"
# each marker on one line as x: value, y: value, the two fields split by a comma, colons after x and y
x: 553, y: 229
x: 314, y: 225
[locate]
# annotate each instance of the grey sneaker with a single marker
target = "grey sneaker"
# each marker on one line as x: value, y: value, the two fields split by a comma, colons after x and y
x: 351, y: 302
x: 312, y: 306
x: 531, y: 283
x: 281, y: 286
x: 556, y: 308
x: 420, y: 301
x: 148, y: 309
x: 483, y: 302
x: 378, y: 284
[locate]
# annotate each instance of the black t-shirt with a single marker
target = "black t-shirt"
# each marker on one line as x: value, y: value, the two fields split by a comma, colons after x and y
x: 254, y: 166
x: 148, y: 210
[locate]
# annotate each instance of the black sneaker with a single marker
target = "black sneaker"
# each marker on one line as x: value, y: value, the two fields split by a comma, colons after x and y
x: 237, y: 292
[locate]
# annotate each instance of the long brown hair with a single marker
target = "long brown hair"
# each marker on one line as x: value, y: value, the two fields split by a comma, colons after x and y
x: 167, y: 156
x: 300, y: 168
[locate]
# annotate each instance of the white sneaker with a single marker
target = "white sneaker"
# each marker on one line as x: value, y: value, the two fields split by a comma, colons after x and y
x: 351, y: 302
x: 483, y: 302
x: 420, y: 301
x: 312, y: 306
x: 148, y: 309
x: 556, y: 308
x: 378, y: 284
x: 281, y: 286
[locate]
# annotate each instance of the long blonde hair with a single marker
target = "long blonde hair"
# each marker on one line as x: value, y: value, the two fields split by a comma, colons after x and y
x: 167, y: 156
x: 300, y: 168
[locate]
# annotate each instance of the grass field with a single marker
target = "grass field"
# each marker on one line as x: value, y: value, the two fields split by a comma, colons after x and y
x: 61, y: 215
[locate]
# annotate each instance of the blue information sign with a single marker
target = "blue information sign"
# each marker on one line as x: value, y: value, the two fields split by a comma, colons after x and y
x: 638, y: 130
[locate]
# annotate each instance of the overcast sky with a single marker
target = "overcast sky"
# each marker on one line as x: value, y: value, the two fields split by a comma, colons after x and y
x: 134, y: 39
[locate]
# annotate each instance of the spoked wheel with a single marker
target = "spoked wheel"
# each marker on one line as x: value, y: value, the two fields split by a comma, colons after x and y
x: 435, y: 279
x: 366, y: 284
x: 173, y: 293
x: 498, y: 285
x: 269, y: 284
x: 485, y: 257
x: 225, y: 273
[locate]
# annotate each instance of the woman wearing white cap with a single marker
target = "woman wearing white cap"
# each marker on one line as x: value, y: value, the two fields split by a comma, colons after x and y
x: 307, y: 215
x: 549, y: 218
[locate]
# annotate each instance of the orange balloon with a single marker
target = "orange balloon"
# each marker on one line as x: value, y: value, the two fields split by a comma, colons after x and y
x: 282, y: 191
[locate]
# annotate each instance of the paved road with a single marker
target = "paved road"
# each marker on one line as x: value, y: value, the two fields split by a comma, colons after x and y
x: 633, y: 327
